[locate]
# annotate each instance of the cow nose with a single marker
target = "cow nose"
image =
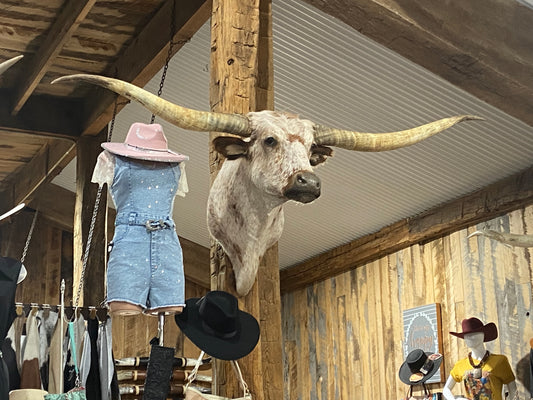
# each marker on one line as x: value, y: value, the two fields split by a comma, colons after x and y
x: 303, y: 187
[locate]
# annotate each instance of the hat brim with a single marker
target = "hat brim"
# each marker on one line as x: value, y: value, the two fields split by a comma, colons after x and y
x: 123, y: 149
x: 233, y: 348
x: 405, y: 372
x: 490, y: 330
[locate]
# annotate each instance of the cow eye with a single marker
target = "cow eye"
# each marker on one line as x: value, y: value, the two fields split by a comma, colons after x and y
x: 270, y: 141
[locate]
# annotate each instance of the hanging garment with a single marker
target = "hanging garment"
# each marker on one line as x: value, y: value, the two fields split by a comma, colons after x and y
x: 9, y: 272
x: 69, y: 369
x: 10, y: 358
x: 85, y: 359
x: 92, y: 385
x: 47, y: 324
x: 30, y: 375
x: 79, y: 328
x: 105, y: 360
x: 16, y: 335
x: 145, y: 246
x: 56, y: 362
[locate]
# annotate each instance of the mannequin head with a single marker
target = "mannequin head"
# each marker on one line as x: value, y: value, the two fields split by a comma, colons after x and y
x: 474, y: 339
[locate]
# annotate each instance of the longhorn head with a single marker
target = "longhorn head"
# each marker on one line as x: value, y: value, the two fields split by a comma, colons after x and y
x: 270, y: 165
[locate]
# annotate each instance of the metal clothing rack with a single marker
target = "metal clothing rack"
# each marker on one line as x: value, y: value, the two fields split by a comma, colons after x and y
x: 88, y: 312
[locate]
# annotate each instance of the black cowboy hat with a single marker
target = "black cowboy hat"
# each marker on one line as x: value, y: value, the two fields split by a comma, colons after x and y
x: 419, y: 366
x: 472, y: 325
x: 215, y: 324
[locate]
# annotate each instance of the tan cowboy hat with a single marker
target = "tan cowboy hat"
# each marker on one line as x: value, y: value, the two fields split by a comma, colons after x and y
x: 27, y: 394
x: 145, y: 142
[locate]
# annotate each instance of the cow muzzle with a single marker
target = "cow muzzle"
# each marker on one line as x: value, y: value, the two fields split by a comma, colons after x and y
x: 303, y: 187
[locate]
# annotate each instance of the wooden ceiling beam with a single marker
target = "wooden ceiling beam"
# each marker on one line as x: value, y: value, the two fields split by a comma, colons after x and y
x: 485, y: 50
x: 43, y: 167
x: 42, y: 116
x: 146, y: 56
x: 73, y: 13
x: 497, y: 199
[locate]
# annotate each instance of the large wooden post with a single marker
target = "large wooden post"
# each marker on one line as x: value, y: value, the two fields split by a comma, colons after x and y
x: 88, y: 148
x: 242, y: 81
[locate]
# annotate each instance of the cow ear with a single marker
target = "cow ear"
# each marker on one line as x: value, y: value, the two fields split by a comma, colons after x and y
x: 319, y: 154
x: 231, y: 147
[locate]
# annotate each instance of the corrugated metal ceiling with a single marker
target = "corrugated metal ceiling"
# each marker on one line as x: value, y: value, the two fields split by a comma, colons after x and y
x: 329, y: 73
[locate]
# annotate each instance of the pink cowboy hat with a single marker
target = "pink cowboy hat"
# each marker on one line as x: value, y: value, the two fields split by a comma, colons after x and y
x: 145, y: 142
x: 472, y: 325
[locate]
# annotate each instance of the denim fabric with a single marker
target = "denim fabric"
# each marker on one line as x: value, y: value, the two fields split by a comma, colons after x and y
x: 146, y: 263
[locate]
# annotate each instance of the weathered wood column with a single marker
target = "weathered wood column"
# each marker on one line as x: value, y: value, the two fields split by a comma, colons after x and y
x: 88, y: 148
x: 242, y: 81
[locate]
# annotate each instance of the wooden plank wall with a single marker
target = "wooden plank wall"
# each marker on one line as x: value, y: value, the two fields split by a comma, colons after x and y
x: 343, y: 337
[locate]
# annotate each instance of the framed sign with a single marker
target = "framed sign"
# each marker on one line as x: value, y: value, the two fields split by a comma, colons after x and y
x: 422, y: 330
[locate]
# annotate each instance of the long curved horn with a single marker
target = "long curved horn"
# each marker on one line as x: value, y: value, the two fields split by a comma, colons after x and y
x: 6, y: 64
x: 185, y: 118
x: 509, y: 239
x: 384, y: 141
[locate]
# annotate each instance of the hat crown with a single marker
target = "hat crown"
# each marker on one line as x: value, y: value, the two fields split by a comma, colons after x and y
x: 471, y: 324
x: 416, y: 360
x: 147, y: 136
x: 219, y: 313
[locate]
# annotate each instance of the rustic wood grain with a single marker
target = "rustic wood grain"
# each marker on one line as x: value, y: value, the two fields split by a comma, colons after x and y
x: 497, y: 199
x: 361, y: 313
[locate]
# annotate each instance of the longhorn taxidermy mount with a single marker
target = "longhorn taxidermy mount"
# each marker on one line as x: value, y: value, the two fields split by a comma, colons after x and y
x: 270, y: 162
x: 509, y: 239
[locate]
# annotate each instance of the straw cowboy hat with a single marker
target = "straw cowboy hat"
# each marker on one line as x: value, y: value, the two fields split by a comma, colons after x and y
x: 27, y: 394
x: 215, y: 324
x: 419, y: 366
x: 472, y: 325
x: 145, y: 142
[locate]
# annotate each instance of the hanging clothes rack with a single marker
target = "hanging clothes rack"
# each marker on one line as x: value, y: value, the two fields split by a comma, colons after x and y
x: 24, y: 309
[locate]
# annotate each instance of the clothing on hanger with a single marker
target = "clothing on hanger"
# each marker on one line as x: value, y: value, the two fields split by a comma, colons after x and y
x: 30, y: 375
x: 9, y: 272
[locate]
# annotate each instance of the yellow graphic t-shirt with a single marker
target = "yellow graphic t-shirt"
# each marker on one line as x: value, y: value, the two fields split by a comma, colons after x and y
x: 495, y: 373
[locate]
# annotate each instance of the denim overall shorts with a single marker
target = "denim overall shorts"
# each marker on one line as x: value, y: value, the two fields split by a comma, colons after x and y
x: 145, y: 264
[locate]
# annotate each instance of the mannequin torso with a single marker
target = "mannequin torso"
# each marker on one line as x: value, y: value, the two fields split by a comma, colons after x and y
x: 481, y: 371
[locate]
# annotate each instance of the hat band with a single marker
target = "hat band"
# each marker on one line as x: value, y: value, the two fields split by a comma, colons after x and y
x: 218, y: 334
x: 427, y: 366
x: 145, y: 149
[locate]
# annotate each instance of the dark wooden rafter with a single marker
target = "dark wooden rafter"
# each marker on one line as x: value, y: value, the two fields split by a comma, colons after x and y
x: 43, y: 167
x: 495, y: 200
x: 64, y: 26
x: 146, y: 56
x: 485, y: 51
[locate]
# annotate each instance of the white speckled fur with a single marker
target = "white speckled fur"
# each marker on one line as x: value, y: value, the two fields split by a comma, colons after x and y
x: 244, y: 210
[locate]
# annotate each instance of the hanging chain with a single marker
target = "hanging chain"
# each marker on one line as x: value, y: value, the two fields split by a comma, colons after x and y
x: 28, y: 239
x: 94, y: 216
x: 169, y: 54
x: 88, y: 246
